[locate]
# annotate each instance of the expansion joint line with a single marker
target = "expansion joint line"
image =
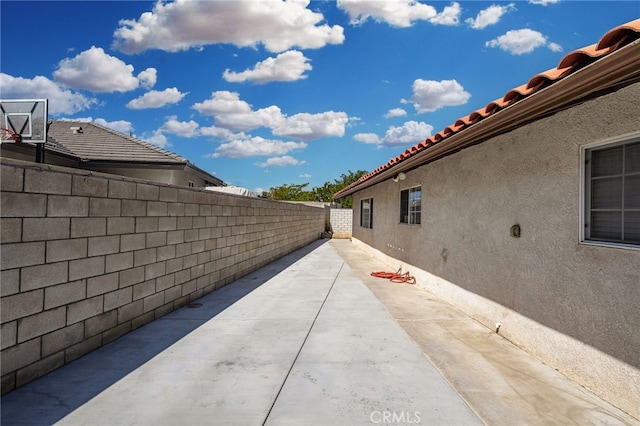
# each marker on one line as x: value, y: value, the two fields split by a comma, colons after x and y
x: 302, y: 345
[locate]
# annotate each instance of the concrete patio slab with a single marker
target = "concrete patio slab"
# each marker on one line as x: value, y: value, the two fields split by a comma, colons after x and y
x: 501, y: 383
x: 359, y: 368
x: 310, y: 339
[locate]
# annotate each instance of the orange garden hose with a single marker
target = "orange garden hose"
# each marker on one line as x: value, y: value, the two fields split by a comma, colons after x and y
x: 395, y: 277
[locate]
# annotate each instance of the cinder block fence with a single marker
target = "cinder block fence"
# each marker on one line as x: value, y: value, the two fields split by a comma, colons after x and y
x: 88, y: 257
x: 341, y: 222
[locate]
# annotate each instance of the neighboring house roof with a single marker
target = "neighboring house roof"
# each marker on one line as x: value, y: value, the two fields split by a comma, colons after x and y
x: 92, y: 142
x: 231, y: 189
x: 52, y: 145
x: 581, y: 73
x: 89, y: 142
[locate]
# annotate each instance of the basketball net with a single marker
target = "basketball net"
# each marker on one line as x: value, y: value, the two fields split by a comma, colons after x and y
x: 7, y: 135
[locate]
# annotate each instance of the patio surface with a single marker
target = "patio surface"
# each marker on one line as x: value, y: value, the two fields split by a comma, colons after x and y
x: 310, y: 339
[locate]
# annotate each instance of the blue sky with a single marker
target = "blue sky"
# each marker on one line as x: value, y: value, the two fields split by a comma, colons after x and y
x: 265, y: 93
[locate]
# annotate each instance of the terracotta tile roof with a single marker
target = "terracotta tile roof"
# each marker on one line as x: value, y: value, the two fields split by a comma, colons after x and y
x: 612, y: 41
x: 99, y: 143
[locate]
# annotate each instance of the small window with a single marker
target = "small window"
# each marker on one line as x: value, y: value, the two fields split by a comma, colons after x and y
x: 411, y: 205
x: 192, y: 183
x: 612, y: 193
x: 366, y: 213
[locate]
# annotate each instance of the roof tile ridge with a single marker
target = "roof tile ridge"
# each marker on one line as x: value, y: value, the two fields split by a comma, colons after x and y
x: 611, y: 41
x: 617, y: 34
x: 52, y: 141
x: 521, y: 92
x: 577, y: 58
x: 549, y: 76
x: 140, y: 142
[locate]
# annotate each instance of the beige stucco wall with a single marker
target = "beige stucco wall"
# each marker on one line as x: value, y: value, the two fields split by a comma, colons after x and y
x: 573, y: 305
x: 170, y: 175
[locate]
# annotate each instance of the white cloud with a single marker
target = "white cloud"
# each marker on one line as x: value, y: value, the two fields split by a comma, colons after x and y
x: 410, y: 133
x: 489, y: 16
x: 148, y: 78
x: 221, y: 133
x: 370, y: 138
x: 398, y: 13
x: 354, y: 121
x: 96, y: 71
x: 61, y: 100
x: 121, y: 126
x: 157, y: 99
x: 543, y: 2
x: 223, y: 102
x: 312, y: 126
x: 256, y: 146
x: 287, y: 66
x: 158, y: 139
x: 430, y: 95
x: 264, y: 117
x: 232, y: 113
x: 180, y: 25
x: 81, y: 119
x: 395, y: 112
x: 521, y: 41
x: 305, y: 175
x: 186, y: 129
x: 450, y: 15
x: 281, y: 162
x: 554, y: 47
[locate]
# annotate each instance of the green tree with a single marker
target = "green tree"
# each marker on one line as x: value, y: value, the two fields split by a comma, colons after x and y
x: 325, y: 192
x: 344, y: 181
x: 298, y: 192
x: 292, y: 192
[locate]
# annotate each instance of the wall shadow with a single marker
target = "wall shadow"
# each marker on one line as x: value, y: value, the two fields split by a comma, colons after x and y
x: 50, y: 398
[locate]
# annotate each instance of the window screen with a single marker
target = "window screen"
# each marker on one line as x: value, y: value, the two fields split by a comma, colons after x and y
x: 411, y: 205
x: 366, y: 213
x: 613, y: 193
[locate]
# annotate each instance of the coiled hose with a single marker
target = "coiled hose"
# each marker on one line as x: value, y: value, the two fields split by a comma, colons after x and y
x: 396, y: 277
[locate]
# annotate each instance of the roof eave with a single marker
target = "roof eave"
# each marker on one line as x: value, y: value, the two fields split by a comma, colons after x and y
x: 205, y: 175
x: 130, y: 163
x: 599, y: 75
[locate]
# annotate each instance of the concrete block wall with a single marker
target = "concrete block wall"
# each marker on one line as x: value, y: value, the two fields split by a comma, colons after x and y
x: 341, y: 222
x: 87, y: 257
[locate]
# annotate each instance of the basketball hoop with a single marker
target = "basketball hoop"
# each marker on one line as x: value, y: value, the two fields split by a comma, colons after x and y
x: 7, y: 135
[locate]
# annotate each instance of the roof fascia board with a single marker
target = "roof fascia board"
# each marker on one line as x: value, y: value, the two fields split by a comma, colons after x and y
x: 603, y: 73
x: 132, y: 165
x: 30, y: 148
x: 206, y: 176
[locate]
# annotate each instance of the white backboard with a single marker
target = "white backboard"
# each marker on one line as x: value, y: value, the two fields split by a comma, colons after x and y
x: 26, y: 117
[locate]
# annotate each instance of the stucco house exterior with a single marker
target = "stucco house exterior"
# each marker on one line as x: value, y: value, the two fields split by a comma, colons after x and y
x: 90, y: 146
x: 525, y: 215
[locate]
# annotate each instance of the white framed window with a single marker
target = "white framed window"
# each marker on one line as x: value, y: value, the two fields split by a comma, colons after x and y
x: 610, y: 213
x: 411, y: 205
x: 192, y: 184
x: 366, y: 213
